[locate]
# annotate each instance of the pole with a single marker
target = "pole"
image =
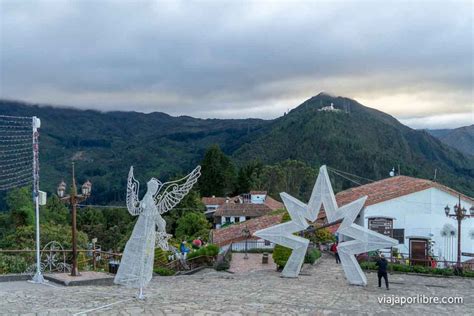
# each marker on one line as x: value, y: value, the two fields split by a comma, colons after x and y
x: 459, y: 218
x: 246, y: 255
x: 38, y: 277
x: 459, y: 243
x: 74, y: 271
x: 93, y: 256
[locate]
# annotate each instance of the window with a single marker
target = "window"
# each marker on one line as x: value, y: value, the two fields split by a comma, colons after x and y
x: 227, y: 219
x: 236, y: 219
x: 267, y: 243
x: 399, y: 234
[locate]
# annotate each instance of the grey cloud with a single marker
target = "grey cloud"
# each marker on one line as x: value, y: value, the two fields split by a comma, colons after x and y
x: 250, y: 58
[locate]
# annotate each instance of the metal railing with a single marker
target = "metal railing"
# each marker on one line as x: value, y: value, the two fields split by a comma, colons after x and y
x: 251, y: 245
x: 54, y: 260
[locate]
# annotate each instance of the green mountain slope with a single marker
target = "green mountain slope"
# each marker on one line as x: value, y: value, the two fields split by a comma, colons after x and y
x: 356, y: 139
x: 461, y: 138
x: 359, y: 140
x: 104, y: 145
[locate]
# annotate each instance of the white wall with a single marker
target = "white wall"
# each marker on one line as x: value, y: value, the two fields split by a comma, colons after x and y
x: 422, y: 214
x: 232, y: 219
x: 257, y: 198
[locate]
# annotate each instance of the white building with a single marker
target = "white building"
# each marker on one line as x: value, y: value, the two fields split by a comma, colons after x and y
x: 413, y: 211
x: 240, y: 208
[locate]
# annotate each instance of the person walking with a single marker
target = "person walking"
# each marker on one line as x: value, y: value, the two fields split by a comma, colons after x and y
x: 382, y: 270
x: 334, y: 250
x: 184, y: 250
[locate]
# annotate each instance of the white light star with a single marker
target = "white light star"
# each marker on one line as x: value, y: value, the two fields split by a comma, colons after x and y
x: 364, y: 240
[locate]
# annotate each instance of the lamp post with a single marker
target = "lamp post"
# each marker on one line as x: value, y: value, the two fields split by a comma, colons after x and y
x: 73, y: 199
x: 460, y: 213
x: 246, y: 234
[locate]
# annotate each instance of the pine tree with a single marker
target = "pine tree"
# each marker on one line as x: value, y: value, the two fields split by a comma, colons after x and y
x: 218, y: 173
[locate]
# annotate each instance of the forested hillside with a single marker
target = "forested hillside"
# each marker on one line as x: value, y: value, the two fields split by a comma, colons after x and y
x: 461, y: 138
x: 355, y: 139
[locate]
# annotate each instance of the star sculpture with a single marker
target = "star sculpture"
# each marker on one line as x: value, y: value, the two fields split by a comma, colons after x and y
x: 283, y: 234
x: 363, y: 239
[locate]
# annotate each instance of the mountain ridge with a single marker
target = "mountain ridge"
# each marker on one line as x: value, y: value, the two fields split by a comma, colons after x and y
x: 461, y: 138
x: 363, y: 140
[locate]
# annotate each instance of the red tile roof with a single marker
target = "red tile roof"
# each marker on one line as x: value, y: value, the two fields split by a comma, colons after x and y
x: 233, y: 233
x: 391, y: 188
x: 273, y: 204
x: 213, y: 200
x: 258, y: 192
x: 242, y: 209
x: 388, y: 189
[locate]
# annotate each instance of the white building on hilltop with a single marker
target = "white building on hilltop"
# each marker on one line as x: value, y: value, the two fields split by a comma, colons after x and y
x: 329, y: 108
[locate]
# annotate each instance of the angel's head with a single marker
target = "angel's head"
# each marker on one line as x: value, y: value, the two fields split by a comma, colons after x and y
x: 153, y: 186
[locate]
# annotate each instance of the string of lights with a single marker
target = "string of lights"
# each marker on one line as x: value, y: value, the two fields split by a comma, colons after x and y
x: 16, y: 151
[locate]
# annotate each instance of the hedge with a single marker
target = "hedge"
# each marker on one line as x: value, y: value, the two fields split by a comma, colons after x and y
x: 281, y: 255
x: 164, y: 271
x: 370, y: 265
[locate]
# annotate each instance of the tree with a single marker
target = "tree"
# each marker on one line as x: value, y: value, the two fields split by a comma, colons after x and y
x: 192, y: 225
x: 291, y: 176
x: 321, y: 236
x: 111, y: 226
x: 55, y: 212
x: 218, y: 173
x: 249, y: 177
x: 25, y: 237
x: 190, y: 203
x: 20, y: 204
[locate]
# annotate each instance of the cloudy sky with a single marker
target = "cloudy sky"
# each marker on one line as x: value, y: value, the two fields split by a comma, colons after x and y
x: 238, y: 59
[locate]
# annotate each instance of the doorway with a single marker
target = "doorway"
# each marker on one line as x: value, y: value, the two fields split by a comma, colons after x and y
x: 419, y: 251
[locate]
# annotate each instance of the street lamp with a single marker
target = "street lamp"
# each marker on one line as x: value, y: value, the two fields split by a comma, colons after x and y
x: 460, y: 213
x: 246, y: 234
x: 73, y: 199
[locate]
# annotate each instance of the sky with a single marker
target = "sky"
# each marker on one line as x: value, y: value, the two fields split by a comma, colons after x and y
x: 240, y: 59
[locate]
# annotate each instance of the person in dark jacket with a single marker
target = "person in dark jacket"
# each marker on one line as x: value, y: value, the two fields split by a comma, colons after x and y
x: 382, y: 270
x: 336, y: 254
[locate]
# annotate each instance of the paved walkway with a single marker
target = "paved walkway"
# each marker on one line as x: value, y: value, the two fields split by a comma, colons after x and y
x: 252, y: 264
x: 323, y: 292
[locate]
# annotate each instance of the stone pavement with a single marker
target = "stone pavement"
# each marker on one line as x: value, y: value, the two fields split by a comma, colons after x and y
x: 253, y: 263
x: 323, y: 292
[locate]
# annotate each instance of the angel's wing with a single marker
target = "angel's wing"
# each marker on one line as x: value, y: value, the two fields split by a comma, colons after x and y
x: 175, y: 191
x: 133, y: 186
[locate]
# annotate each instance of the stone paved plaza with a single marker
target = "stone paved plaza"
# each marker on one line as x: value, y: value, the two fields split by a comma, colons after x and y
x: 322, y: 290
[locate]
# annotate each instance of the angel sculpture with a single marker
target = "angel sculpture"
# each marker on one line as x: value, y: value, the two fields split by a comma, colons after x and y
x: 136, y: 266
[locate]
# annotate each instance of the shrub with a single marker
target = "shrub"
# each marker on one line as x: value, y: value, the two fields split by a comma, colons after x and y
x: 210, y: 250
x: 368, y: 265
x: 323, y: 235
x: 161, y: 257
x: 12, y: 264
x: 164, y: 271
x: 469, y: 274
x: 192, y: 225
x: 420, y: 269
x: 312, y: 256
x: 281, y: 255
